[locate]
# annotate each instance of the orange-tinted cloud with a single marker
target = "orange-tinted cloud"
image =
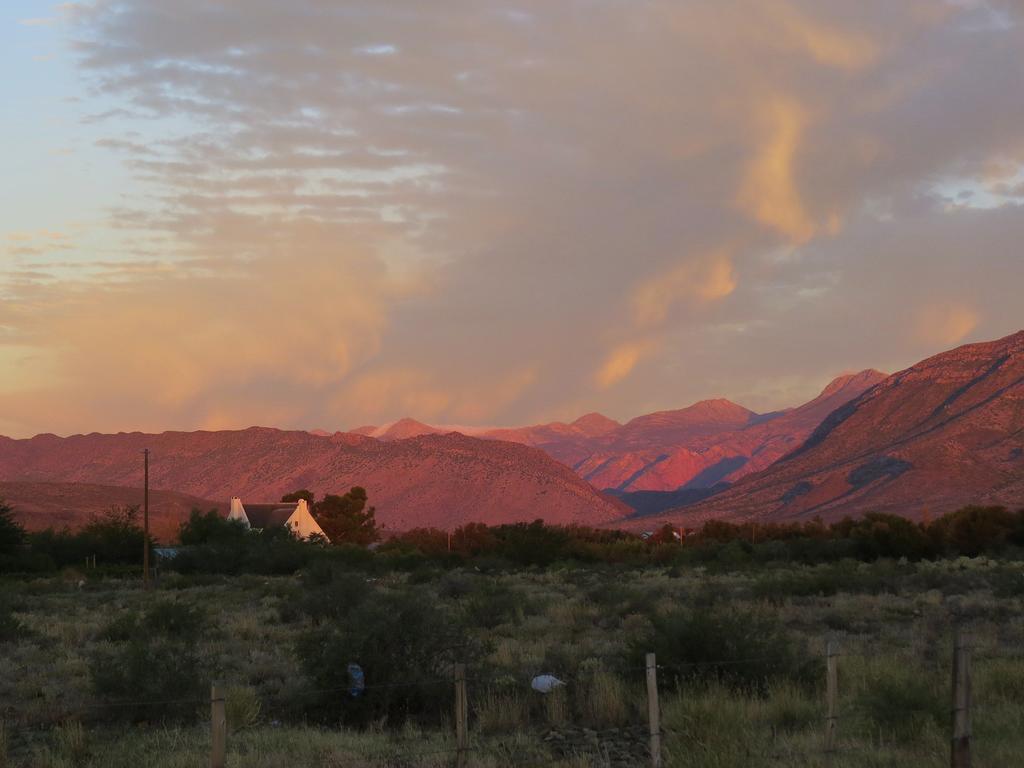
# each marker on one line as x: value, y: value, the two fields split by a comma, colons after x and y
x: 518, y: 224
x: 945, y: 324
x: 621, y: 361
x: 769, y: 191
x: 701, y: 279
x: 826, y: 44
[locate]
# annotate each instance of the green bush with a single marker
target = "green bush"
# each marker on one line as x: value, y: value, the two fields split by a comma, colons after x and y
x: 903, y: 703
x: 149, y: 679
x: 742, y: 650
x: 848, y: 576
x: 12, y: 534
x: 165, y: 619
x: 210, y: 527
x: 10, y: 628
x: 151, y: 669
x: 406, y: 645
x: 492, y: 604
x: 330, y: 593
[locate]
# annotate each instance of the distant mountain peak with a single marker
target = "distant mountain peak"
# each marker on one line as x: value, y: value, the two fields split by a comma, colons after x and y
x: 860, y: 380
x: 594, y: 424
x: 406, y: 427
x: 718, y: 405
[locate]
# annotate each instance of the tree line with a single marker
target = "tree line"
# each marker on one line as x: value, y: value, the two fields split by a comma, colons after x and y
x: 211, y: 543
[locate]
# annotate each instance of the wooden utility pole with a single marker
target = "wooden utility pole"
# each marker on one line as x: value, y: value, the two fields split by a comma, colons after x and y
x: 145, y: 523
x: 218, y: 728
x: 461, y: 717
x: 831, y: 698
x: 653, y: 711
x: 960, y: 746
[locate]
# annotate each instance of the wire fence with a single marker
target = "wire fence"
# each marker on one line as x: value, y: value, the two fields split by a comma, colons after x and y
x: 641, y: 740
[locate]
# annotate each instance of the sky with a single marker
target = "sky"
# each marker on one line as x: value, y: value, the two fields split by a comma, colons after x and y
x: 316, y: 214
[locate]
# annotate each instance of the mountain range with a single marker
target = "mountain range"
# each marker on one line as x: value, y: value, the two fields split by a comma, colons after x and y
x: 696, y: 447
x: 429, y: 480
x: 943, y: 433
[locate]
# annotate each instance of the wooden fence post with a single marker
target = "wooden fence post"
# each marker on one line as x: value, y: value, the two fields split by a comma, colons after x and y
x: 218, y: 728
x: 960, y: 747
x: 831, y: 697
x: 461, y: 716
x: 653, y: 711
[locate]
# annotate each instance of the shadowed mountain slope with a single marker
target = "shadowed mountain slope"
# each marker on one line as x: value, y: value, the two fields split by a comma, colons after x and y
x: 697, y: 447
x: 946, y: 432
x: 433, y: 480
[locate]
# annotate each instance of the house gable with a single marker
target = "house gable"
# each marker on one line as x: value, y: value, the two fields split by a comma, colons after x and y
x: 293, y: 515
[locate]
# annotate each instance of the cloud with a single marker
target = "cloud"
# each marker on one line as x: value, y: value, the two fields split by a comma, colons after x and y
x: 228, y: 341
x: 769, y: 191
x: 381, y: 393
x: 704, y: 279
x: 347, y: 213
x: 945, y: 324
x: 824, y: 43
x: 621, y: 361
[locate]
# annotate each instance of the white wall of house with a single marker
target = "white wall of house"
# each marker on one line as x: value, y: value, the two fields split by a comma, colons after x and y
x: 238, y: 511
x: 302, y: 523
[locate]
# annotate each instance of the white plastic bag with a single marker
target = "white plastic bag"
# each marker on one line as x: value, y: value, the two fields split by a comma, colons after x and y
x: 545, y: 683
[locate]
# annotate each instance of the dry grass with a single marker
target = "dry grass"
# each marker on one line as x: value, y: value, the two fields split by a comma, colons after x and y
x: 896, y: 647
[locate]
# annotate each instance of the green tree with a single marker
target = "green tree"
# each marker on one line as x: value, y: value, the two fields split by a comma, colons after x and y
x: 346, y: 519
x: 210, y: 527
x: 115, y: 536
x: 294, y: 496
x: 12, y: 535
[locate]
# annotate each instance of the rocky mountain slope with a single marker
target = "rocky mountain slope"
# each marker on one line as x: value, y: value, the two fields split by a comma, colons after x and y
x: 696, y: 447
x: 432, y: 480
x: 946, y: 432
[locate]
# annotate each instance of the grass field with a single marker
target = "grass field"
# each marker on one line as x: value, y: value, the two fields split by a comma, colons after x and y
x: 741, y: 657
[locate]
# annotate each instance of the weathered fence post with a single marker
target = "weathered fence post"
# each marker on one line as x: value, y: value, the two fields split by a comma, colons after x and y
x: 461, y: 716
x: 653, y: 710
x: 218, y: 728
x: 960, y: 747
x: 831, y: 697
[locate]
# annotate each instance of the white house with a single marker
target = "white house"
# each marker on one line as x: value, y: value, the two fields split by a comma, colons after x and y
x: 294, y: 515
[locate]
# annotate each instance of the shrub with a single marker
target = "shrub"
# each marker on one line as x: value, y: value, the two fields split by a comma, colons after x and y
x: 492, y: 604
x: 791, y: 708
x: 10, y: 628
x: 72, y: 743
x: 456, y: 584
x: 210, y: 527
x: 330, y: 593
x: 827, y: 580
x: 166, y: 619
x: 114, y: 537
x: 241, y: 707
x: 739, y: 649
x: 903, y: 702
x: 12, y: 534
x: 406, y: 646
x: 603, y: 699
x: 153, y: 663
x: 502, y: 708
x: 148, y: 679
x: 975, y: 530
